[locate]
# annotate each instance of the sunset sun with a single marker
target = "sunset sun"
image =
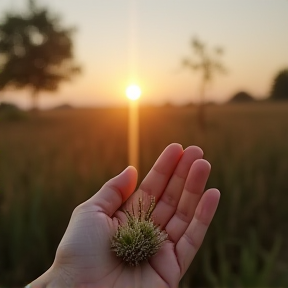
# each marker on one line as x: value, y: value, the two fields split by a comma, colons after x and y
x: 133, y: 92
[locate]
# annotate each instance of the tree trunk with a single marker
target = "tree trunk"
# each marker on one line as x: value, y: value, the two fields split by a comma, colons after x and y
x: 201, y: 108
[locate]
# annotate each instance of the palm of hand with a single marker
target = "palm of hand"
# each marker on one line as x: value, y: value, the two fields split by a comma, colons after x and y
x: 84, y: 255
x: 101, y: 267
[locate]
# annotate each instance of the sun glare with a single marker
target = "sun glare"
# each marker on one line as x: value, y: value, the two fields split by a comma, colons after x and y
x: 133, y: 92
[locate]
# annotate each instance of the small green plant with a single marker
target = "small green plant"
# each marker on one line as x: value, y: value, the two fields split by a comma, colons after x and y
x: 139, y: 238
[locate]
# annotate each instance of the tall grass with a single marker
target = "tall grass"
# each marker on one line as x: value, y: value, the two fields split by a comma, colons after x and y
x: 51, y: 162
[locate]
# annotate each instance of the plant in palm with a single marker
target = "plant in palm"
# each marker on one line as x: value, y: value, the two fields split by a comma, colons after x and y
x: 139, y: 238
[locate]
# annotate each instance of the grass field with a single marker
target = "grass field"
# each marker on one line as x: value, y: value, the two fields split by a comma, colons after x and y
x: 51, y: 161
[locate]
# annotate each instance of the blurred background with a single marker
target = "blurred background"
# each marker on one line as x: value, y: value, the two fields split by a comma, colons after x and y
x: 212, y: 73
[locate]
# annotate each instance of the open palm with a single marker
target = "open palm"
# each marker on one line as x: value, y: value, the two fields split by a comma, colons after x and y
x: 177, y: 180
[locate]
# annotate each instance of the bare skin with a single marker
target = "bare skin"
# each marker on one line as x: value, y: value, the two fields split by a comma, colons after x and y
x: 177, y: 180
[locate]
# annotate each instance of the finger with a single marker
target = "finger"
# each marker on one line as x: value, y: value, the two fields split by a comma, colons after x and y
x: 156, y: 180
x: 116, y: 191
x: 193, y: 189
x: 191, y: 240
x: 168, y: 202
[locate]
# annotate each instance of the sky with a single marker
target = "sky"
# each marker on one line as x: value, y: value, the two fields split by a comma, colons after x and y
x: 144, y: 41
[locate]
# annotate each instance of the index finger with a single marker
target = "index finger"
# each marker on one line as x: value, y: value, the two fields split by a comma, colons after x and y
x: 158, y: 177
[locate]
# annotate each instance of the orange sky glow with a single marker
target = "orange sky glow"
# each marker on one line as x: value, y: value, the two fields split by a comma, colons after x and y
x: 144, y: 42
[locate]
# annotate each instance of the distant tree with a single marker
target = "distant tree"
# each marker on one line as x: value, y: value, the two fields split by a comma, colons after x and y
x: 208, y: 63
x: 4, y: 106
x: 242, y: 97
x: 36, y: 52
x: 279, y: 89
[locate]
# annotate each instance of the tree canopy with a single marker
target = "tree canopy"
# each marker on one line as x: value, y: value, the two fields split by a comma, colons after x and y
x: 279, y: 89
x: 36, y: 52
x: 208, y: 63
x: 242, y: 97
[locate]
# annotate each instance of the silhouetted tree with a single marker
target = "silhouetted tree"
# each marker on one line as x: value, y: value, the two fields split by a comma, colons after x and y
x: 242, y: 97
x: 208, y: 63
x: 280, y: 86
x: 36, y: 52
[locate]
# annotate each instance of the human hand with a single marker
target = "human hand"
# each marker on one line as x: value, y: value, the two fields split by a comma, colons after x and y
x: 177, y: 180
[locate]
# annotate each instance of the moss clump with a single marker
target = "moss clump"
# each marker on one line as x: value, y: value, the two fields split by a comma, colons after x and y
x: 139, y: 238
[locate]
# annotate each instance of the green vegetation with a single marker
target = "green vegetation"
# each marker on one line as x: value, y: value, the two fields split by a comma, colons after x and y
x: 139, y: 238
x: 54, y: 160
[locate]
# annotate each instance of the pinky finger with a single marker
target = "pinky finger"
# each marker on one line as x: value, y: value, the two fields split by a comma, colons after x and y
x: 191, y: 240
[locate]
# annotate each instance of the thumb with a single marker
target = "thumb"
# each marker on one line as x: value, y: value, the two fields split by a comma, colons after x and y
x: 116, y: 191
